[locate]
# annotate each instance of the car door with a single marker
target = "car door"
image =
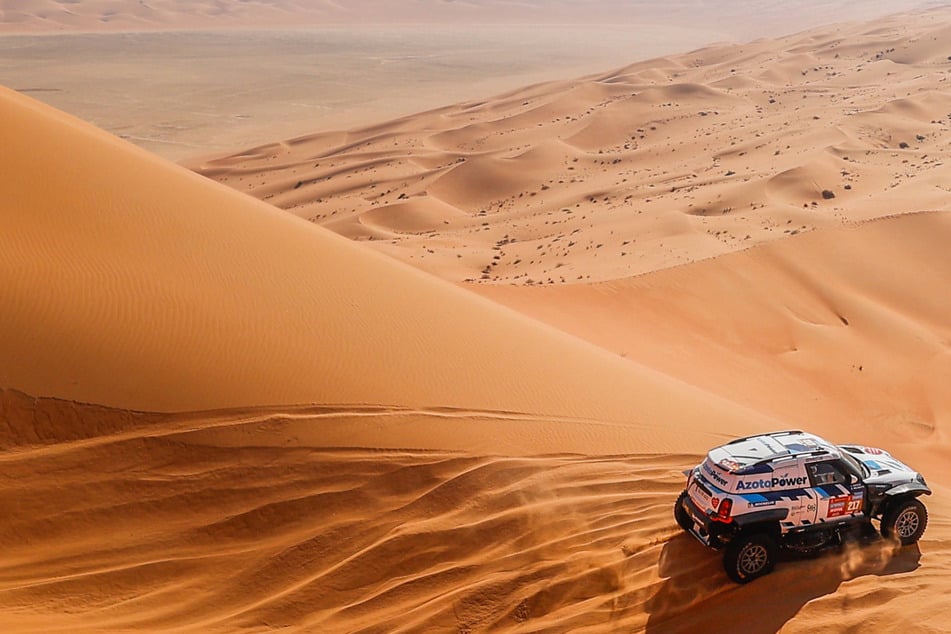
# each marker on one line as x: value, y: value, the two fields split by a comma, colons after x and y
x: 802, y: 506
x: 841, y: 495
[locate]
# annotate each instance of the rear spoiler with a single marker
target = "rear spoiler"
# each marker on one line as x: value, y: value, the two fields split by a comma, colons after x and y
x: 787, y: 432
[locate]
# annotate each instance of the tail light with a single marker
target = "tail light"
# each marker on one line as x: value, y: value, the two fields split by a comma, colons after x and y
x: 723, y: 512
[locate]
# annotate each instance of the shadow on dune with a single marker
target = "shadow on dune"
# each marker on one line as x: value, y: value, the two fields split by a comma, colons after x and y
x: 697, y: 596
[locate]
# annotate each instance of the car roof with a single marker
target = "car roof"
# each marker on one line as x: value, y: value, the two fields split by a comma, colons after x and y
x: 743, y: 455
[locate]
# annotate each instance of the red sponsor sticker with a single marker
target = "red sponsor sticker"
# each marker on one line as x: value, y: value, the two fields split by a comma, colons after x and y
x: 841, y: 505
x: 729, y: 465
x: 714, y: 502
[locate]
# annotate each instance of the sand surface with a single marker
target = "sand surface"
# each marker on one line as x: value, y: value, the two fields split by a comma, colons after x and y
x: 451, y: 380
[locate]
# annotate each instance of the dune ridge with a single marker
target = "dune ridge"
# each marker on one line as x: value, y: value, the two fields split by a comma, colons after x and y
x: 163, y: 291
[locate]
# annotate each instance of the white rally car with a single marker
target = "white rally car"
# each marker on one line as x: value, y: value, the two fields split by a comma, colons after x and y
x: 795, y: 491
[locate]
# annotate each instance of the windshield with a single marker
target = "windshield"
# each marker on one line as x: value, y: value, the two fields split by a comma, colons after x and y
x: 855, y: 466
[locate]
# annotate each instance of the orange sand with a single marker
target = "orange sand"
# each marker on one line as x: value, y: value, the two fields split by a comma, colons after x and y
x: 293, y: 430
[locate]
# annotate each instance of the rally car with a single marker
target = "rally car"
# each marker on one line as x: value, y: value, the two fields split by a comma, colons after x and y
x: 795, y: 491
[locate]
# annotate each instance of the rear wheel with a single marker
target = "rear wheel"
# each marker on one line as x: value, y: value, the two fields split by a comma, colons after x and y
x: 749, y: 556
x: 905, y: 521
x: 680, y: 513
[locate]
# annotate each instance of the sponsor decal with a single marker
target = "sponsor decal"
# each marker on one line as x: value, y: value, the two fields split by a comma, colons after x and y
x: 803, y: 444
x: 716, y: 477
x: 844, y: 505
x: 729, y: 465
x: 781, y: 482
x: 763, y: 503
x: 872, y: 450
x: 837, y: 506
x: 714, y: 502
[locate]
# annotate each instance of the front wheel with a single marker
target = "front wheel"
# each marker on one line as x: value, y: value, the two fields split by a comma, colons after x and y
x: 680, y: 513
x: 905, y: 521
x: 749, y: 556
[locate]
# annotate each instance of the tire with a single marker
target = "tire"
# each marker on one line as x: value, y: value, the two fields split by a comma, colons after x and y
x: 748, y: 556
x: 680, y: 513
x: 905, y: 521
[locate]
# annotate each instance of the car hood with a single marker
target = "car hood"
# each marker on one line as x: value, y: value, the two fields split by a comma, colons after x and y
x: 883, y: 467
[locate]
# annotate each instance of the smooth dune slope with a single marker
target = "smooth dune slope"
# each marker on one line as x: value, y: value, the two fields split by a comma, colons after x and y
x: 844, y: 329
x: 130, y: 282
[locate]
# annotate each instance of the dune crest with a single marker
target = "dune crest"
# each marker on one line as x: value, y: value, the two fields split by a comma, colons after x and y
x: 134, y: 283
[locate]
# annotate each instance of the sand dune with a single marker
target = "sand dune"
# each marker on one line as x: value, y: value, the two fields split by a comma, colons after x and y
x: 650, y: 166
x: 163, y: 291
x: 660, y: 218
x: 219, y: 416
x: 838, y: 325
x: 223, y: 523
x: 134, y: 283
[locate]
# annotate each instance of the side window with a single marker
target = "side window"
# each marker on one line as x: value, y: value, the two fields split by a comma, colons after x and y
x: 852, y: 474
x: 823, y: 473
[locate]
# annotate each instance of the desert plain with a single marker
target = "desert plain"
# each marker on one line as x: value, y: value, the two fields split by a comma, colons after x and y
x: 442, y: 370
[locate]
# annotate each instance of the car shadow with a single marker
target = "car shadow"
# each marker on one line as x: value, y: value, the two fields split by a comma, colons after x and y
x: 695, y: 594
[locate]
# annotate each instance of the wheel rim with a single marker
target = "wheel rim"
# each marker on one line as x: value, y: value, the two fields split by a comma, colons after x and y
x: 753, y: 559
x: 907, y: 523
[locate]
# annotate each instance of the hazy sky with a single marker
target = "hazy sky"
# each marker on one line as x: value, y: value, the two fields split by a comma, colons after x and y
x: 732, y: 19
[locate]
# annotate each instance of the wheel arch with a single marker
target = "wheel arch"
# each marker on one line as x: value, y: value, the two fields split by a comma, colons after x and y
x: 891, y: 517
x: 736, y: 553
x: 907, y: 490
x: 767, y: 521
